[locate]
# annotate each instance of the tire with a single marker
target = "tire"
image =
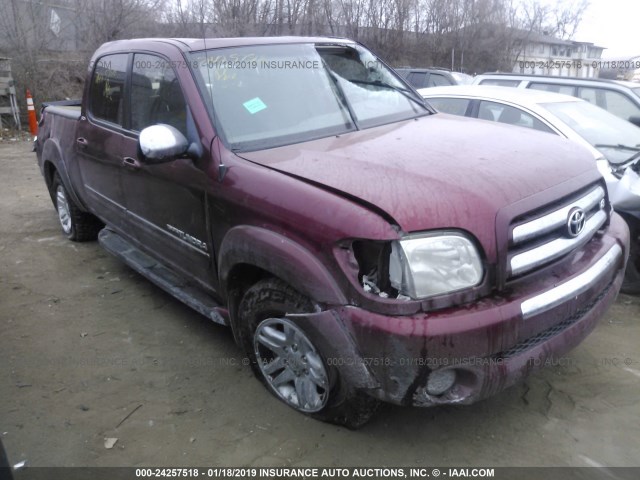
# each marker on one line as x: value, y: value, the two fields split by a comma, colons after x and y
x: 286, y: 360
x: 76, y: 225
x: 631, y: 282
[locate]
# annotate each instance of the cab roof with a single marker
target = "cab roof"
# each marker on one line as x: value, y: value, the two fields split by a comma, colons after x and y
x: 197, y: 44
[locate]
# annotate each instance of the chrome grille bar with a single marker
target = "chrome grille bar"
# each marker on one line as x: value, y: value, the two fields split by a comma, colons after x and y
x: 557, y: 218
x: 555, y: 296
x: 530, y: 259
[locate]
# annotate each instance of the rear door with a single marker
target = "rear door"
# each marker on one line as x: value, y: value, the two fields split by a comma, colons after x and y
x: 100, y: 137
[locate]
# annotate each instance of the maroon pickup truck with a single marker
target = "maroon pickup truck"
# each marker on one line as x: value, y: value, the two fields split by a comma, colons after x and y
x: 360, y: 246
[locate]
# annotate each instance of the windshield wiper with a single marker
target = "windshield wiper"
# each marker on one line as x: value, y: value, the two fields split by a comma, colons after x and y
x: 403, y: 91
x: 341, y: 95
x: 632, y: 159
x: 618, y: 146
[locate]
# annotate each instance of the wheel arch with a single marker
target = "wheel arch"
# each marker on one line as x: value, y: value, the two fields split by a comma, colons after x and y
x: 52, y: 163
x: 248, y: 254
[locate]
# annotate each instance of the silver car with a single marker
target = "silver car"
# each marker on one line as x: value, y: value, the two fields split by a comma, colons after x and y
x: 614, y: 143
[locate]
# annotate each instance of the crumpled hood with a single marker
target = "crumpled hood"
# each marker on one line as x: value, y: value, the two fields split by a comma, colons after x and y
x: 440, y: 171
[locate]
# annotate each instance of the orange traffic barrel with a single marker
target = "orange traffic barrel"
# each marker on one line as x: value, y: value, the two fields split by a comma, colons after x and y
x: 33, y: 122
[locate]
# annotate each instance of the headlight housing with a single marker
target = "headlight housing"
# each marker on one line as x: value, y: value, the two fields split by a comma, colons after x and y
x: 435, y: 263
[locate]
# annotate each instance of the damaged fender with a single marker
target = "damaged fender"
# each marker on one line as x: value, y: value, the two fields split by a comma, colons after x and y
x: 280, y: 256
x: 332, y: 337
x: 625, y: 193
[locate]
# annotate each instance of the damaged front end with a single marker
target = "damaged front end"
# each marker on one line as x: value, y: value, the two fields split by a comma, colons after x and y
x: 623, y: 184
x: 432, y: 270
x: 457, y: 347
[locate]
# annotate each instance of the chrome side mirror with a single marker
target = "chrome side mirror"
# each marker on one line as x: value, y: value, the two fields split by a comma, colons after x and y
x: 162, y: 143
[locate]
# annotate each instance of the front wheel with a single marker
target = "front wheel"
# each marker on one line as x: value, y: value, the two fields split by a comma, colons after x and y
x: 289, y: 361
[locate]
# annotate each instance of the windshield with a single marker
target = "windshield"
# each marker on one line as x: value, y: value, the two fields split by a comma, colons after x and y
x: 636, y: 90
x: 614, y: 137
x: 271, y: 95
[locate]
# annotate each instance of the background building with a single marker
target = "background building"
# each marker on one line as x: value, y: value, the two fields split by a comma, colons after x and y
x: 542, y: 54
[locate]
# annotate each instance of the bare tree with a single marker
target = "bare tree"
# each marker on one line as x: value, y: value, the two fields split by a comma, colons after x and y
x: 561, y: 19
x: 107, y: 20
x: 471, y: 35
x: 27, y: 30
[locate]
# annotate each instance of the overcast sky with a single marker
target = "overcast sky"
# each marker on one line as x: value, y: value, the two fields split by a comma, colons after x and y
x: 612, y: 24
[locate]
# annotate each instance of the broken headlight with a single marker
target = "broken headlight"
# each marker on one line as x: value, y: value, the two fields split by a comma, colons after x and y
x: 424, y: 265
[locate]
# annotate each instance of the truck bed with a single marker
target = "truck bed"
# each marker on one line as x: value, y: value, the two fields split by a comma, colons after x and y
x: 64, y: 109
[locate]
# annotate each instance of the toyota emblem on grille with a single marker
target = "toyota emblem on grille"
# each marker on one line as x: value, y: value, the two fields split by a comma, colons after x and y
x: 575, y: 221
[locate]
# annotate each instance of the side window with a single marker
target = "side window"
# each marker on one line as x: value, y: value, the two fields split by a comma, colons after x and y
x: 454, y: 106
x: 437, y: 80
x: 156, y: 96
x: 550, y: 87
x: 588, y: 94
x: 417, y: 79
x: 106, y: 94
x: 511, y: 115
x: 614, y: 102
x: 490, y: 111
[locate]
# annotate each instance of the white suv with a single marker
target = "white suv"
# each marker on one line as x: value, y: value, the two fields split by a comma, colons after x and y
x: 618, y: 97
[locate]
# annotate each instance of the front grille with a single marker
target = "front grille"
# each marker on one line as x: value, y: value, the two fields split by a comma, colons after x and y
x: 552, y: 331
x: 540, y: 238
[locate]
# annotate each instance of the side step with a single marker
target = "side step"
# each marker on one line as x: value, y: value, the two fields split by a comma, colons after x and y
x: 161, y: 276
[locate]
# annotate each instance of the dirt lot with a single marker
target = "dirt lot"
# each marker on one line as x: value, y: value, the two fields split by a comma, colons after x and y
x: 89, y: 349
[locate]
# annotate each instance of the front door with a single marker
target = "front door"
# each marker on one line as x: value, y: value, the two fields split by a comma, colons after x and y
x: 165, y: 202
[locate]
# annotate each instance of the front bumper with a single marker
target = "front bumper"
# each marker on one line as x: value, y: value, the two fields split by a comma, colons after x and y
x: 490, y: 344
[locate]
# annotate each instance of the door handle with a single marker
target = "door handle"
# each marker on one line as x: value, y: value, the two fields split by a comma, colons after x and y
x: 129, y: 162
x: 82, y: 141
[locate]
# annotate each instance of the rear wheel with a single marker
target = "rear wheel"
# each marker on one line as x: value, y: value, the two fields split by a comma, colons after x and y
x: 77, y: 225
x: 289, y: 361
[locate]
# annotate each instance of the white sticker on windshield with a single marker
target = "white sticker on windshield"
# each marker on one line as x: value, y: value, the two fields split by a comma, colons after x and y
x: 254, y: 105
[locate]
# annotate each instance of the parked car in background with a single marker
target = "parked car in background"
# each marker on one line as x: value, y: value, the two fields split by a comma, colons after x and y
x: 616, y: 96
x: 615, y: 143
x: 433, y: 77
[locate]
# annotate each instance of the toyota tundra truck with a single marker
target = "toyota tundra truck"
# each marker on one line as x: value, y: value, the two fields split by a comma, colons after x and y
x: 360, y: 246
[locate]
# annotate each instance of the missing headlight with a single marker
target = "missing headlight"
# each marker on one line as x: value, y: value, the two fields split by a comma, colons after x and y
x: 373, y: 260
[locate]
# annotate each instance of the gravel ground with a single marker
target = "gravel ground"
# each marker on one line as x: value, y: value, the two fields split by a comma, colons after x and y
x: 90, y: 350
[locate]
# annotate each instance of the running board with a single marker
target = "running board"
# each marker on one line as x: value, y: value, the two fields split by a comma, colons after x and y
x: 166, y: 279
